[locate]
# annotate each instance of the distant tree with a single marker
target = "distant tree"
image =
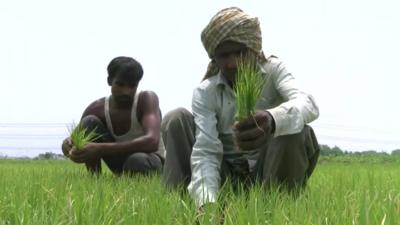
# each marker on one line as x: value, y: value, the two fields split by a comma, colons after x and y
x: 327, y: 151
x: 396, y: 152
x: 49, y: 155
x: 369, y: 152
x: 336, y: 151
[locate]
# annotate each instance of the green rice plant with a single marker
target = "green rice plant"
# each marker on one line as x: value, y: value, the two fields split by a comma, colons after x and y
x: 80, y: 136
x: 59, y: 192
x: 248, y: 87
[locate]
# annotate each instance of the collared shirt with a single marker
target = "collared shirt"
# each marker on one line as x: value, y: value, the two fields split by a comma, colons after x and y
x: 213, y: 107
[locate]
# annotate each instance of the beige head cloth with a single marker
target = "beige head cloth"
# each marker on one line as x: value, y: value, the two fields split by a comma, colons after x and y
x: 234, y: 25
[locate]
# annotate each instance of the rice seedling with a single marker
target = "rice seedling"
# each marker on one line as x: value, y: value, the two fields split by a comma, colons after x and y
x: 60, y: 192
x: 248, y: 87
x: 80, y: 136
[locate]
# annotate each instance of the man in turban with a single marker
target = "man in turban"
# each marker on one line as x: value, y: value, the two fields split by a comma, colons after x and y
x: 274, y: 146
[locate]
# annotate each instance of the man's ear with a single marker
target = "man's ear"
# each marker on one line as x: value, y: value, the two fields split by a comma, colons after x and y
x: 109, y: 80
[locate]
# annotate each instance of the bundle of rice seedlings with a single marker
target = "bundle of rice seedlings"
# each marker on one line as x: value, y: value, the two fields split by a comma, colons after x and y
x: 248, y: 87
x: 81, y: 137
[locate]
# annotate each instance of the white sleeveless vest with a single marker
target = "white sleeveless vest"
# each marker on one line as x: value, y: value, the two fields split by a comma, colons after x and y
x: 136, y: 129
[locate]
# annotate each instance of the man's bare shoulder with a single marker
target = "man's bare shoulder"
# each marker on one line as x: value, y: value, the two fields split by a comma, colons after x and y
x: 147, y: 103
x: 96, y: 108
x: 147, y: 98
x: 98, y: 103
x: 148, y: 94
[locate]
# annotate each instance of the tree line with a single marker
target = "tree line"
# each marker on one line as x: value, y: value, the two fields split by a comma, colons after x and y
x: 336, y: 151
x: 325, y: 151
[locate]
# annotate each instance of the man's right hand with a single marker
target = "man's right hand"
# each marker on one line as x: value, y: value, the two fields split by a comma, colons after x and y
x: 67, y: 146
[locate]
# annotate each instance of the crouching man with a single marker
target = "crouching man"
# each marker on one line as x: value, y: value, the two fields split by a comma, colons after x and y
x: 206, y: 147
x: 128, y: 122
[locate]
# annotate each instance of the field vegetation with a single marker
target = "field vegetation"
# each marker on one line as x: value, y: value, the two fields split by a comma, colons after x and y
x: 343, y: 190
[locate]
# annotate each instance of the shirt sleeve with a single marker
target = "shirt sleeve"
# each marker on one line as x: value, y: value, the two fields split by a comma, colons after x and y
x: 298, y: 108
x: 207, y: 150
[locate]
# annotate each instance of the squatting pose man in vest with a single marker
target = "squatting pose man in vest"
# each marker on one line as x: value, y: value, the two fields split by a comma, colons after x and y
x: 128, y: 122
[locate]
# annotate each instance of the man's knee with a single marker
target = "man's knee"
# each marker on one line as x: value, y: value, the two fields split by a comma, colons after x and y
x: 91, y: 122
x: 297, y: 160
x: 313, y: 150
x: 292, y: 142
x: 173, y: 119
x: 142, y: 163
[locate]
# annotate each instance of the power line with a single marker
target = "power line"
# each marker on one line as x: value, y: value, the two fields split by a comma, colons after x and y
x: 29, y: 148
x: 342, y: 127
x: 56, y: 136
x: 18, y: 125
x: 32, y: 136
x: 362, y: 140
x: 330, y: 126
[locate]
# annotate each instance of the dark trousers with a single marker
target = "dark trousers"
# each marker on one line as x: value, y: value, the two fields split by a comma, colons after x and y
x: 287, y: 160
x: 136, y: 163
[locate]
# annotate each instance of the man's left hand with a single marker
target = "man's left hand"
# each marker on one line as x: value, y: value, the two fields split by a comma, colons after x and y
x: 88, y: 153
x: 253, y: 132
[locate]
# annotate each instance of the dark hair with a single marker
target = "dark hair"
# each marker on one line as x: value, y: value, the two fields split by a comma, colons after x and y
x: 126, y: 68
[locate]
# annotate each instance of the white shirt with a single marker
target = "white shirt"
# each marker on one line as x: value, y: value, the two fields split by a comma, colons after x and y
x: 213, y: 107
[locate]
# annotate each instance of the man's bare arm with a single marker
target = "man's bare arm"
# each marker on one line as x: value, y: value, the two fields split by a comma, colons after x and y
x: 147, y: 143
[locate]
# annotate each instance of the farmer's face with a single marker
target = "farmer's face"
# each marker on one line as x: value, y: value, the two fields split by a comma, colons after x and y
x: 122, y: 92
x: 226, y: 55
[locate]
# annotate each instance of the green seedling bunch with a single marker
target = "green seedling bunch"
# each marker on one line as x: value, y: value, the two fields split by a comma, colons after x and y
x: 80, y: 136
x: 248, y: 87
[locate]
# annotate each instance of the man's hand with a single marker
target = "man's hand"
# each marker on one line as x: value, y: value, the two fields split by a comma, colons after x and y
x: 88, y: 153
x: 66, y: 146
x: 253, y: 132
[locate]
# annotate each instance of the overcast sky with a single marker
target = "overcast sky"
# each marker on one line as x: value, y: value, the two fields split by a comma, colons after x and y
x: 54, y: 54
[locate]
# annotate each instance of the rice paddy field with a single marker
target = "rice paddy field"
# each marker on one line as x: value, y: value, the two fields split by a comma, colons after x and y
x: 343, y: 190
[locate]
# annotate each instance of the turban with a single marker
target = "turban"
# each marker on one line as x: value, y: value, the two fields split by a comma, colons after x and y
x: 234, y: 25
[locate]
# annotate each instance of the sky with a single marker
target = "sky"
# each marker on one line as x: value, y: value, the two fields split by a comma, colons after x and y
x: 54, y: 54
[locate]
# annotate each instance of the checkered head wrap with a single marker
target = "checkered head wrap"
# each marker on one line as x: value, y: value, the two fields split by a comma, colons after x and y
x: 234, y: 25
